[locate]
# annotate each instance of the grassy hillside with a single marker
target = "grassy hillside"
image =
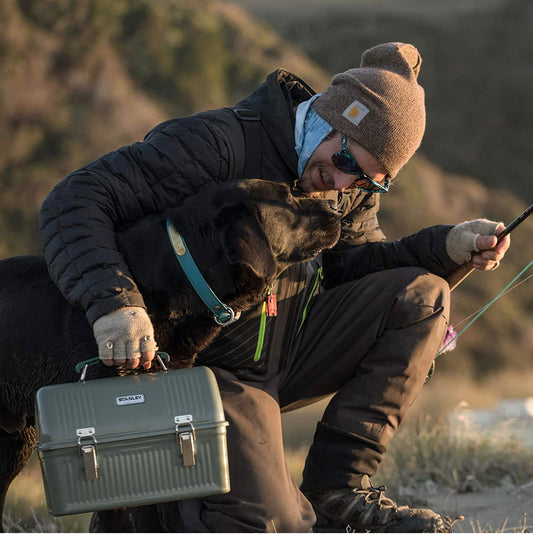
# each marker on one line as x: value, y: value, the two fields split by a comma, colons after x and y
x: 78, y: 79
x: 477, y: 70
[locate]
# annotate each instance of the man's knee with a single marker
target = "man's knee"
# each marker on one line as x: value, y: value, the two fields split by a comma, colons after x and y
x: 421, y: 295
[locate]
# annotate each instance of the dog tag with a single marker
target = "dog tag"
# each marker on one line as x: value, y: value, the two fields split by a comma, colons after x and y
x: 271, y: 305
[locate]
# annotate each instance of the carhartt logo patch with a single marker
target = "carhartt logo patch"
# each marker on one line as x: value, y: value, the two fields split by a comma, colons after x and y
x: 355, y: 112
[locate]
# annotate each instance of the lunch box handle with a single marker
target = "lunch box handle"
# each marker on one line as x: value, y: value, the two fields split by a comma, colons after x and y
x: 81, y: 367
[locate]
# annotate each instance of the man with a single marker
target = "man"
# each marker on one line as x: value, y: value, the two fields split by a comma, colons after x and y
x: 365, y: 324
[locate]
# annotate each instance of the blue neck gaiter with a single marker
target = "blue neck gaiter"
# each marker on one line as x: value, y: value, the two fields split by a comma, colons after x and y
x: 309, y: 131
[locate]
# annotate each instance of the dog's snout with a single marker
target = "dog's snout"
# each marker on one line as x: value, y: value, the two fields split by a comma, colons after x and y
x: 332, y: 204
x: 325, y: 204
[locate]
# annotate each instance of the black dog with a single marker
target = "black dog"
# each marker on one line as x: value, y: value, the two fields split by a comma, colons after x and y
x: 242, y: 235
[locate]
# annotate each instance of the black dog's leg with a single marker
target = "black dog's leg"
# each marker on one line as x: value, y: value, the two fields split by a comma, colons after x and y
x: 111, y: 521
x: 135, y: 519
x: 15, y: 451
x: 145, y: 519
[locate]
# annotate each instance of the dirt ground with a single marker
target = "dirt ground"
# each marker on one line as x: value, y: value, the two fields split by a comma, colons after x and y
x: 503, y: 509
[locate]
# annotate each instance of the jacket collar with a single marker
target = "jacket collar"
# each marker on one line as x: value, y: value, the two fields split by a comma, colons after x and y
x: 274, y: 101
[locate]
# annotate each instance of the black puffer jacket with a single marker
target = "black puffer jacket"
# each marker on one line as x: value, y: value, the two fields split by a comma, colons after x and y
x: 178, y: 158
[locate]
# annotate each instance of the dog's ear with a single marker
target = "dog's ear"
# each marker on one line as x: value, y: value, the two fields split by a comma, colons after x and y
x: 245, y: 243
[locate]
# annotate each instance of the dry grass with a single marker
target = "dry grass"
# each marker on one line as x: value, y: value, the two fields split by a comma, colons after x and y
x: 462, y: 457
x: 26, y: 509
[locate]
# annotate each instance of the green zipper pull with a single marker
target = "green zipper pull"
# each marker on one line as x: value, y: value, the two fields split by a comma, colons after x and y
x: 261, y: 335
x: 269, y: 309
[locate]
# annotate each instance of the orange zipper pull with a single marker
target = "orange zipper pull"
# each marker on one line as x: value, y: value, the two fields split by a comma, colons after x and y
x: 271, y: 304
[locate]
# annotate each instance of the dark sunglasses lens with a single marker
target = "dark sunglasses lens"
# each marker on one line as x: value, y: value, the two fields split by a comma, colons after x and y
x: 344, y: 163
x: 347, y: 164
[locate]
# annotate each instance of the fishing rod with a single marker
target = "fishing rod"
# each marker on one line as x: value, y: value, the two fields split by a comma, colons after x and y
x: 464, y: 270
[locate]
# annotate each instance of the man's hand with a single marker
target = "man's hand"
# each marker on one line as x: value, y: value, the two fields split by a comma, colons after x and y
x: 479, y: 236
x: 126, y: 337
x: 491, y: 252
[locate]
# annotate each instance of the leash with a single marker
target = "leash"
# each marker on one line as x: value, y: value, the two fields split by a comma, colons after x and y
x: 223, y: 314
x: 81, y: 367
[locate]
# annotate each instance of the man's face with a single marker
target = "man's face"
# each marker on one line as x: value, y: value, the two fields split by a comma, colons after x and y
x: 320, y: 174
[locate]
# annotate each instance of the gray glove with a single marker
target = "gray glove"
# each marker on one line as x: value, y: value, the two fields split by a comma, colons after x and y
x: 123, y: 334
x: 461, y: 239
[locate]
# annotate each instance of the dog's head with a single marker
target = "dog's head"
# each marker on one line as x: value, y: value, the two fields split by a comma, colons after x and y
x: 263, y: 226
x: 241, y: 234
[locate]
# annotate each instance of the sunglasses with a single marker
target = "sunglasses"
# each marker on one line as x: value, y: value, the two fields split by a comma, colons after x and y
x: 345, y: 162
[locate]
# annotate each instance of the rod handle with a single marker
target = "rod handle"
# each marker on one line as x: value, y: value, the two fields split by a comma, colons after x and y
x: 463, y: 271
x: 459, y: 274
x: 466, y: 269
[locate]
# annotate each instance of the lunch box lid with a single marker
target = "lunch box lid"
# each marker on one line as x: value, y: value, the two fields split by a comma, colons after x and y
x: 126, y: 407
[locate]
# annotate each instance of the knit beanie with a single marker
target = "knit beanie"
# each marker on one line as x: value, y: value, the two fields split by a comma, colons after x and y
x: 380, y: 104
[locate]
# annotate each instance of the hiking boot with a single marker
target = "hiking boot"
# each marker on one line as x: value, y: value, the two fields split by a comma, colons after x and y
x: 366, y: 509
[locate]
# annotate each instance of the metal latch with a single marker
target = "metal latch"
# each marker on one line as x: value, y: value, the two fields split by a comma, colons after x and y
x: 87, y: 452
x: 186, y: 437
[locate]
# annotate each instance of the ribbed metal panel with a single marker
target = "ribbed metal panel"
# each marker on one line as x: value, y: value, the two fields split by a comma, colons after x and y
x: 135, y: 476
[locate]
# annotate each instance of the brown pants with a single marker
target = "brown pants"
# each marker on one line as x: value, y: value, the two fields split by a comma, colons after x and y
x: 371, y: 342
